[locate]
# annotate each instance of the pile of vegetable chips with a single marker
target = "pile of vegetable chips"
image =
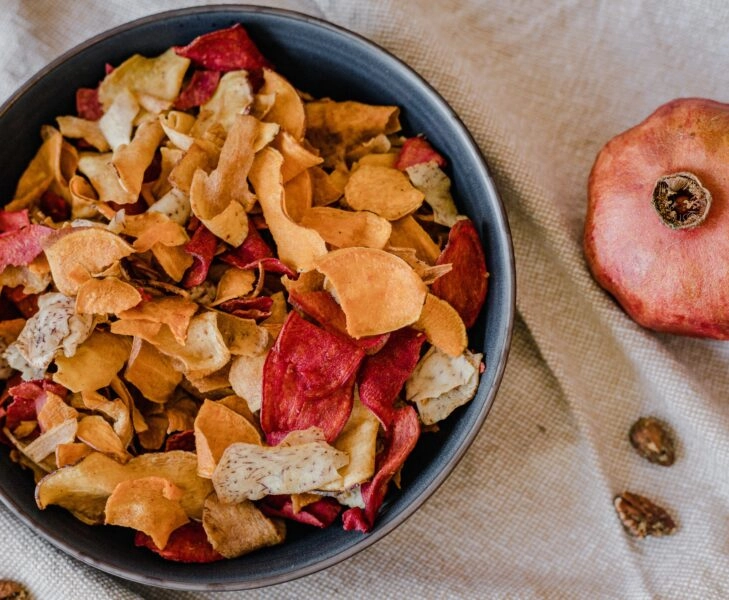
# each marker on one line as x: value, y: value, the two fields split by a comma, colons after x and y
x: 227, y: 305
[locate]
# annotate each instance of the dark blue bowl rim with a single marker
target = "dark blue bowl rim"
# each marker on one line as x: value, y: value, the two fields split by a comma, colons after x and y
x: 507, y: 275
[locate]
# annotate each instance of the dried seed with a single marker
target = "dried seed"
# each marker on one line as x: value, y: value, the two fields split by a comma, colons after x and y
x: 12, y: 590
x: 641, y: 517
x: 653, y: 441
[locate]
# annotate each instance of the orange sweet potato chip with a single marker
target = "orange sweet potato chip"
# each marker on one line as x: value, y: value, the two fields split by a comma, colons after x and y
x: 149, y: 504
x: 105, y: 296
x: 152, y: 372
x: 95, y: 432
x: 346, y: 228
x: 442, y: 325
x: 173, y: 311
x: 384, y: 191
x: 131, y: 160
x: 287, y: 109
x: 377, y: 291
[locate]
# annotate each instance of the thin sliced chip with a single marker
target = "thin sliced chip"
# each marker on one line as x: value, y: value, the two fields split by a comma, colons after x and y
x: 95, y: 432
x: 46, y: 443
x: 407, y: 233
x: 84, y: 252
x: 54, y: 412
x: 278, y: 313
x: 78, y: 128
x: 213, y: 385
x: 243, y: 337
x: 71, y: 453
x: 186, y: 544
x: 234, y: 283
x: 249, y: 471
x: 297, y: 154
x: 297, y: 196
x: 216, y: 428
x: 199, y: 89
x: 430, y: 179
x: 323, y: 192
x: 246, y: 379
x: 84, y: 487
x: 237, y: 529
x: 385, y: 159
x: 377, y: 291
x: 40, y: 172
x: 232, y: 97
x: 173, y: 311
x: 287, y: 109
x: 9, y: 331
x: 346, y: 228
x: 151, y: 372
x: 201, y: 155
x: 131, y: 160
x: 311, y: 509
x: 102, y: 175
x: 54, y: 327
x: 116, y: 410
x: 104, y: 296
x: 383, y: 191
x: 94, y: 364
x: 117, y: 123
x: 148, y: 504
x: 441, y: 383
x: 176, y: 125
x: 173, y: 260
x: 298, y: 246
x: 442, y: 325
x: 378, y: 145
x: 160, y: 77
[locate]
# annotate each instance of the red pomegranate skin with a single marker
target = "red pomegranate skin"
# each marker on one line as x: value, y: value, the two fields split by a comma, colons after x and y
x: 669, y: 280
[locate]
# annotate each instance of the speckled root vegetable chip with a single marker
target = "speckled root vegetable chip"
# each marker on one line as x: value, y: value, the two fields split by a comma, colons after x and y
x: 377, y: 291
x: 148, y: 504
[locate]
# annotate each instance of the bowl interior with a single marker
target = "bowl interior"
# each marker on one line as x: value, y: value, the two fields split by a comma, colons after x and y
x: 323, y: 60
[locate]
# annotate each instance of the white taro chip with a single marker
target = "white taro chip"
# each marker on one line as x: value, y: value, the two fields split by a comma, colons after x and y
x: 441, y: 383
x: 430, y: 179
x: 54, y: 327
x: 250, y: 472
x: 118, y: 121
x: 175, y: 204
x: 246, y: 379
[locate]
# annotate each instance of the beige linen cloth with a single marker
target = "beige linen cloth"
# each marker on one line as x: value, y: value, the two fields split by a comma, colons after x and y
x: 528, y: 512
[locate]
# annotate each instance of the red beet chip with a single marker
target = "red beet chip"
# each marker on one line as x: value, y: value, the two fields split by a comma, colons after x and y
x: 21, y: 246
x: 321, y: 513
x: 254, y: 251
x: 464, y: 287
x: 88, y: 105
x: 383, y: 374
x: 308, y: 380
x: 187, y: 544
x: 323, y: 308
x: 248, y: 308
x: 224, y: 50
x: 402, y: 435
x: 55, y: 206
x: 201, y: 247
x: 13, y: 220
x: 199, y: 89
x: 181, y: 440
x: 417, y: 150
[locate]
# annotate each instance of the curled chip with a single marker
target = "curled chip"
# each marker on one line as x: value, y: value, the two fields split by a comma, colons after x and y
x: 237, y: 529
x: 384, y: 191
x: 250, y: 472
x: 377, y: 291
x: 287, y: 109
x: 104, y: 296
x: 442, y: 326
x: 464, y: 287
x: 345, y: 228
x: 84, y: 253
x: 94, y: 364
x: 148, y: 504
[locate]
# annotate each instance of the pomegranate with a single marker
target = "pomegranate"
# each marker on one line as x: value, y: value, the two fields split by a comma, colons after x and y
x: 657, y: 226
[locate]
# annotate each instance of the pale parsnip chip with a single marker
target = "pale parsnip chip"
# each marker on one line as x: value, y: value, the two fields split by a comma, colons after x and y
x: 384, y: 191
x: 297, y: 246
x: 237, y: 529
x: 442, y: 325
x: 102, y: 175
x: 246, y: 379
x: 430, y: 179
x: 217, y: 427
x: 82, y: 254
x: 232, y: 97
x: 95, y: 362
x: 116, y: 410
x: 377, y: 291
x: 177, y: 125
x: 148, y: 504
x: 203, y: 155
x: 105, y: 296
x: 117, y: 122
x: 47, y: 442
x: 346, y: 228
x: 84, y: 200
x: 151, y: 372
x: 84, y: 487
x: 55, y: 326
x: 441, y: 383
x: 78, y: 128
x: 159, y: 77
x: 169, y: 157
x: 243, y: 337
x: 248, y: 471
x: 95, y: 432
x: 132, y: 159
x: 71, y: 453
x: 287, y: 109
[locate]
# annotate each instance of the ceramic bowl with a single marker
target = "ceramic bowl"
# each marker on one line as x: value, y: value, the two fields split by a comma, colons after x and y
x: 324, y: 60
